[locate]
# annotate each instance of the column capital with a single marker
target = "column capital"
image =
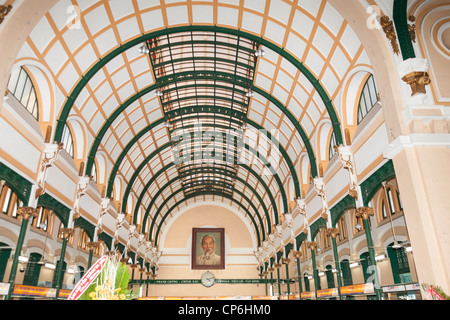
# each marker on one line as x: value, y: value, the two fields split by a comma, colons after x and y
x: 27, y: 212
x: 311, y: 245
x: 364, y: 212
x: 297, y: 254
x: 93, y: 245
x: 333, y: 232
x: 67, y: 232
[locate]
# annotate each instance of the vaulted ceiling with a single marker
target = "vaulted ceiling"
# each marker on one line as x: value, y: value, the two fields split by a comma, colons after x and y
x: 177, y: 101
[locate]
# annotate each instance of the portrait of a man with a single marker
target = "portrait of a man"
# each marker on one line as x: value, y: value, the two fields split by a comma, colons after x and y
x: 208, y: 248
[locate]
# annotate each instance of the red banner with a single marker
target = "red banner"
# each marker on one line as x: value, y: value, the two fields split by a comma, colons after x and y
x: 434, y: 293
x: 87, y: 279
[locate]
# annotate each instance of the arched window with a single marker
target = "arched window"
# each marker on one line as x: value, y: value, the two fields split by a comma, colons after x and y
x: 33, y: 270
x: 331, y: 151
x: 21, y: 87
x: 43, y: 220
x: 83, y: 240
x: 369, y: 97
x: 67, y: 140
x: 390, y: 202
x: 325, y: 240
x: 342, y: 226
x: 9, y: 202
x: 94, y: 172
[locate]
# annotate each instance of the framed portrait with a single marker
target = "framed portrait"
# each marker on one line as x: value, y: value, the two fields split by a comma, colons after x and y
x: 208, y: 248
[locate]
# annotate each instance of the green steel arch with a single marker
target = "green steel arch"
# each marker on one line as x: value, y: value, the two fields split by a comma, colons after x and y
x: 149, y: 207
x: 205, y: 193
x: 122, y: 47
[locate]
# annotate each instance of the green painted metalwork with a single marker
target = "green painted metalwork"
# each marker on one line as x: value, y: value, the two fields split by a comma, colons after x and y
x: 19, y: 244
x: 316, y: 226
x: 207, y: 193
x: 372, y: 259
x: 88, y: 227
x: 339, y: 209
x: 123, y: 47
x: 370, y: 186
x: 18, y: 184
x: 107, y: 239
x: 172, y: 164
x: 400, y: 12
x: 62, y: 212
x: 161, y: 189
x: 337, y: 266
x: 300, y: 238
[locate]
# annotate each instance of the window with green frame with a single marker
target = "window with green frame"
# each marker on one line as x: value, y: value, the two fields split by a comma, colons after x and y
x: 21, y: 87
x: 5, y: 254
x: 369, y: 97
x: 33, y: 270
x: 399, y: 264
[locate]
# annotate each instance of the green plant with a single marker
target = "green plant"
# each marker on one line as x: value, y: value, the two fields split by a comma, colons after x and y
x: 111, y: 284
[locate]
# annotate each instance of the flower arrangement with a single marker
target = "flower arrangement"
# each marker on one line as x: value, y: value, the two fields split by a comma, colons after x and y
x: 432, y: 292
x: 111, y: 283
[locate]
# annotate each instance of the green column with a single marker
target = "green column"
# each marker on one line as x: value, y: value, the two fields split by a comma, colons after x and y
x: 277, y: 266
x: 312, y: 245
x: 287, y: 278
x: 271, y: 278
x: 336, y: 261
x: 297, y: 256
x: 265, y: 278
x: 315, y: 273
x: 365, y: 213
x: 66, y: 232
x: 91, y: 252
x: 148, y: 280
x: 26, y: 213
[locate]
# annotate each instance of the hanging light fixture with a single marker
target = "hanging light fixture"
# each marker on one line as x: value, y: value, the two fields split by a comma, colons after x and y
x: 158, y: 93
x: 143, y: 49
x: 249, y: 93
x: 260, y: 52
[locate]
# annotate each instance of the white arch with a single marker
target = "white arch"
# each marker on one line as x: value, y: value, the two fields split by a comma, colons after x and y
x: 44, y: 85
x: 352, y: 86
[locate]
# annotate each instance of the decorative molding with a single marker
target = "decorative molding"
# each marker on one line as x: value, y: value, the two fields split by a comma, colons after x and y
x: 4, y: 10
x: 415, y: 140
x: 389, y: 31
x: 364, y: 212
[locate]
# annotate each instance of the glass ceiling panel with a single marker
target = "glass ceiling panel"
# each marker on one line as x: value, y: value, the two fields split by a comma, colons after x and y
x: 203, y: 78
